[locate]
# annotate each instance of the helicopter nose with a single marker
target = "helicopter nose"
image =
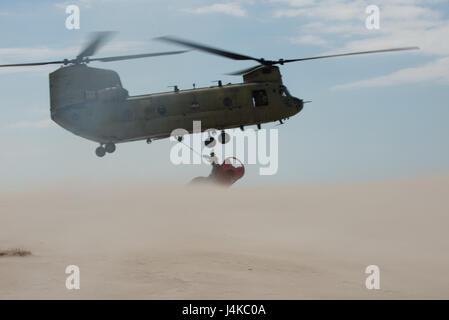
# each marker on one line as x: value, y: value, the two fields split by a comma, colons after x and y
x: 299, y: 103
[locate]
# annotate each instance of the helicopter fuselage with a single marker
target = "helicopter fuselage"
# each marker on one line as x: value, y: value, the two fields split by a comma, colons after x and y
x: 92, y: 103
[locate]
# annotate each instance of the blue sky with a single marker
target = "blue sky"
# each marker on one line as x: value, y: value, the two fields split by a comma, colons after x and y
x: 373, y: 117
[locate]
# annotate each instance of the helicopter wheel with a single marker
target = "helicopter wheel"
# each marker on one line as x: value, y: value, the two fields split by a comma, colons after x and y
x: 100, y: 151
x: 210, y: 142
x: 224, y: 138
x: 109, y: 147
x: 179, y: 138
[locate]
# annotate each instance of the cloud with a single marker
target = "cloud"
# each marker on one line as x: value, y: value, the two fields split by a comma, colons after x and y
x: 29, y: 55
x: 331, y: 10
x: 431, y: 38
x: 81, y: 3
x: 40, y: 124
x: 233, y: 9
x: 36, y: 54
x: 294, y: 3
x: 341, y: 23
x: 437, y: 71
x: 310, y: 39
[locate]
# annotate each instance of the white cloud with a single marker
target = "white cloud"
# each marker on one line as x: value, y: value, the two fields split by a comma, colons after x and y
x: 81, y: 3
x: 431, y: 40
x: 30, y: 55
x: 37, y: 54
x: 232, y: 8
x: 91, y: 3
x: 402, y: 23
x: 288, y: 13
x: 331, y: 10
x: 437, y: 71
x: 310, y: 39
x: 40, y: 124
x: 295, y: 3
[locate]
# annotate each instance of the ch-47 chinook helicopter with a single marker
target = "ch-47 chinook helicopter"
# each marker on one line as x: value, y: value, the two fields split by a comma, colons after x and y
x: 92, y: 103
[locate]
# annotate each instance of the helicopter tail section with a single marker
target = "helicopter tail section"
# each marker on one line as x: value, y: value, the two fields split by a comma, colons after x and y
x: 78, y: 84
x: 81, y: 96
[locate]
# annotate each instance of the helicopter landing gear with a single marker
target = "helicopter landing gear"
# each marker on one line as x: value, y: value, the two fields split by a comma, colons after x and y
x: 179, y: 138
x: 105, y: 148
x: 109, y: 147
x: 149, y: 141
x: 224, y: 137
x: 100, y: 151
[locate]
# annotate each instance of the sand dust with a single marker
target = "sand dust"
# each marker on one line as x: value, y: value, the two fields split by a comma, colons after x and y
x: 142, y: 242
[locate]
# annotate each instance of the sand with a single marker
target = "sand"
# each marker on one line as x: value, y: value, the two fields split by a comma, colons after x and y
x: 313, y: 242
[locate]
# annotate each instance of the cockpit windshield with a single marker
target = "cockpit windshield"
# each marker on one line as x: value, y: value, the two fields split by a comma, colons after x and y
x: 283, y: 91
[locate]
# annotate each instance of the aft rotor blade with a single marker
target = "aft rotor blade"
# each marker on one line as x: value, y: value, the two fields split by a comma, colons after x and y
x: 240, y: 72
x: 97, y: 40
x: 348, y: 54
x: 31, y: 64
x: 216, y: 51
x: 137, y: 56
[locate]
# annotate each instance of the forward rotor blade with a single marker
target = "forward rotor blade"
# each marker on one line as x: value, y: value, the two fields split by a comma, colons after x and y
x: 348, y: 54
x: 137, y: 56
x: 31, y: 64
x: 219, y: 52
x: 97, y: 40
x: 240, y: 72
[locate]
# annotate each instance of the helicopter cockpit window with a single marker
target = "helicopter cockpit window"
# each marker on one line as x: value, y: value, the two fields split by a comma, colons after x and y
x: 283, y: 91
x: 260, y: 98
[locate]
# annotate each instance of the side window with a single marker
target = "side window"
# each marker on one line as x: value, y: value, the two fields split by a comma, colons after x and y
x: 260, y: 98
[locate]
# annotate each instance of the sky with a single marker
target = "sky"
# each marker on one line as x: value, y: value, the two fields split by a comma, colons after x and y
x: 372, y: 117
